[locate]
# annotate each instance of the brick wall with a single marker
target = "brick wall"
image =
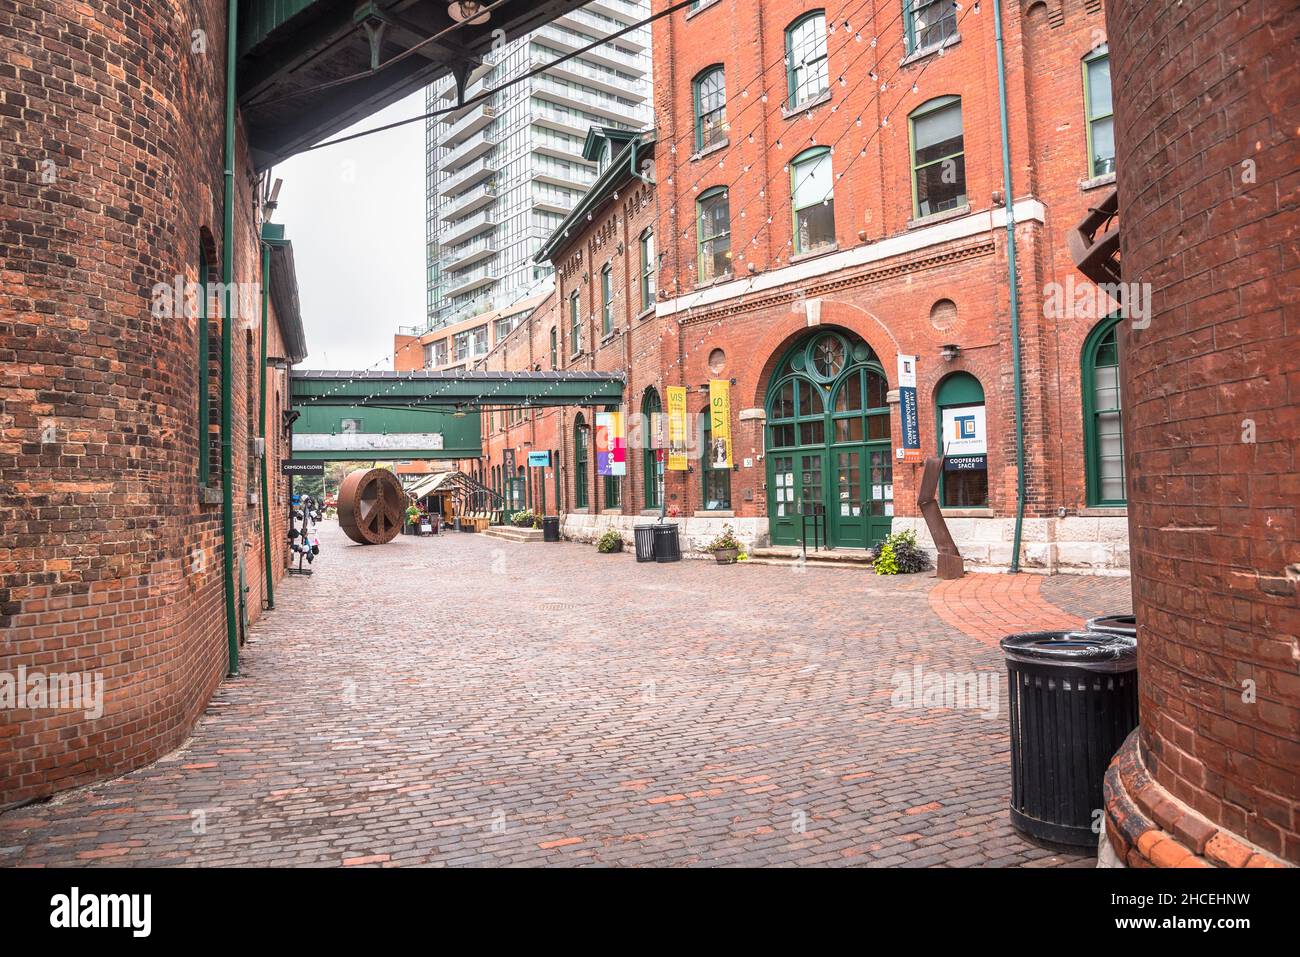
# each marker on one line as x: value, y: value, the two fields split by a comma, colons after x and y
x: 1206, y: 108
x: 111, y: 552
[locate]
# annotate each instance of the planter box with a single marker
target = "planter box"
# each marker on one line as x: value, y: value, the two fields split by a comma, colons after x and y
x: 726, y: 556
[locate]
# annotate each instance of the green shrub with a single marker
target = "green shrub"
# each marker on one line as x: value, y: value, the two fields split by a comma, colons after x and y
x: 526, y: 519
x: 905, y: 556
x: 611, y: 541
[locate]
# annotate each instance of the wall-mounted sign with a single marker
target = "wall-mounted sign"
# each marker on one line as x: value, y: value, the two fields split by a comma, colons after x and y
x: 301, y: 467
x: 965, y: 463
x: 908, y: 414
x: 719, y: 451
x: 539, y: 460
x: 366, y: 441
x: 963, y: 431
x: 677, y: 428
x: 611, y: 445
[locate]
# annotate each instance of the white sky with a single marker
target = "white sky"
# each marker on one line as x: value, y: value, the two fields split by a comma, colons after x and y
x: 355, y: 215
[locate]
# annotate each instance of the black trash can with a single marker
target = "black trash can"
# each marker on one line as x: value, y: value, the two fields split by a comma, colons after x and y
x: 1114, y: 625
x: 667, y: 548
x: 1073, y: 700
x: 644, y: 536
x: 550, y: 528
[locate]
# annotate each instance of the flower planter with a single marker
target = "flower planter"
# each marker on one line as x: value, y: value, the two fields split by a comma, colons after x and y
x: 611, y: 551
x: 726, y: 556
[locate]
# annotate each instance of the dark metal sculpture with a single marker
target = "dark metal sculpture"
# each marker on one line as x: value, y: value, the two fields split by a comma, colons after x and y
x: 949, y: 564
x: 371, y: 506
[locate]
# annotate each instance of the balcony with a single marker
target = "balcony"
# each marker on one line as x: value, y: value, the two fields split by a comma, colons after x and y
x: 467, y: 202
x: 467, y: 176
x: 469, y: 227
x: 637, y: 41
x: 605, y: 107
x: 477, y: 145
x: 600, y: 78
x: 559, y: 120
x: 571, y: 176
x: 462, y: 284
x: 466, y: 254
x: 568, y: 41
x: 552, y: 202
x: 622, y: 9
x: 478, y: 117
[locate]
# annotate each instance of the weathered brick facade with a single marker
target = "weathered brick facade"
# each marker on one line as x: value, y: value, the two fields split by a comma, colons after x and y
x: 1206, y: 109
x: 111, y: 552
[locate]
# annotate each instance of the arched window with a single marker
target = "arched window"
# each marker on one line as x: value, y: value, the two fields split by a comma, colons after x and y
x: 812, y: 189
x: 716, y: 481
x: 1103, y: 435
x: 963, y: 443
x: 713, y: 232
x: 710, y: 90
x: 938, y: 156
x: 581, y: 446
x: 1097, y: 112
x: 805, y: 57
x: 651, y: 408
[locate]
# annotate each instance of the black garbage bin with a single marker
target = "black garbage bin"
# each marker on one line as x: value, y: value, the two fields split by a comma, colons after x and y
x: 644, y: 536
x: 666, y: 547
x: 1073, y: 700
x: 550, y: 528
x: 1114, y: 625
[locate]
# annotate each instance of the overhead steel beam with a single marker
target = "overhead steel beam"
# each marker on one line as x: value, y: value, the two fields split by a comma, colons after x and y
x: 465, y: 391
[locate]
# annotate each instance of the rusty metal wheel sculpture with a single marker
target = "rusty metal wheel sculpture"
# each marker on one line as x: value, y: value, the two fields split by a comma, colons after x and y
x: 371, y: 506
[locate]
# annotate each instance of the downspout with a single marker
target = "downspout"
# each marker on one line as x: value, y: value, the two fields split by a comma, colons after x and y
x: 269, y: 582
x: 1009, y: 206
x: 634, y: 169
x: 227, y: 350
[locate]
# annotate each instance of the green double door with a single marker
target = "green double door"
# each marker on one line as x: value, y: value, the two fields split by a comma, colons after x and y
x: 851, y: 484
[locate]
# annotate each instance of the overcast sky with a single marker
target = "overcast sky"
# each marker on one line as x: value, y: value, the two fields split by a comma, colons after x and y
x: 355, y: 215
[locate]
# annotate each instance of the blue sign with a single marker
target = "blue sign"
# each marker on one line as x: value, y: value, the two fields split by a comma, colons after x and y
x: 539, y: 460
x: 911, y: 419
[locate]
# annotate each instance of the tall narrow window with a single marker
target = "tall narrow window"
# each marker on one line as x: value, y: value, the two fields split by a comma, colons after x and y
x: 650, y: 412
x: 575, y: 325
x: 805, y: 56
x: 1097, y: 112
x: 714, y: 234
x: 710, y: 108
x: 555, y: 348
x: 938, y: 157
x: 929, y: 23
x: 606, y: 301
x: 813, y: 190
x: 716, y: 481
x: 647, y: 269
x: 581, y: 440
x: 201, y: 325
x: 1103, y: 436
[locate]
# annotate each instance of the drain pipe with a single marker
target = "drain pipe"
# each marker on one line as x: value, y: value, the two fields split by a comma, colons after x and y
x: 1009, y: 206
x: 268, y: 586
x: 227, y: 350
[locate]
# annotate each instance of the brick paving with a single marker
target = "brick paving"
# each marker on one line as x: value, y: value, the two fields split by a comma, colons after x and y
x: 466, y: 701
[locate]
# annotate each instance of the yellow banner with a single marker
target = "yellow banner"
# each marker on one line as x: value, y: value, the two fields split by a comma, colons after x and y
x: 677, y: 459
x: 719, y: 450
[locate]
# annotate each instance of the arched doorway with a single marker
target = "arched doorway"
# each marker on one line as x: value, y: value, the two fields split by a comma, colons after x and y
x: 828, y: 442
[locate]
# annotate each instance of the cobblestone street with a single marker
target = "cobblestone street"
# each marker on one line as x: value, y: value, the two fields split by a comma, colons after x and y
x: 467, y: 701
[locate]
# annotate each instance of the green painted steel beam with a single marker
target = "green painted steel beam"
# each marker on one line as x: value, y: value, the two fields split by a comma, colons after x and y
x: 464, y: 391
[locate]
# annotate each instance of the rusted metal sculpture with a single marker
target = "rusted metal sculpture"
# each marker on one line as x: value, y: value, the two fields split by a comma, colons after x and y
x: 371, y: 506
x: 949, y: 564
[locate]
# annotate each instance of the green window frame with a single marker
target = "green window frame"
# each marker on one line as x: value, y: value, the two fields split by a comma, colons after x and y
x: 713, y: 234
x: 581, y: 441
x: 650, y: 408
x: 607, y: 301
x: 807, y: 71
x: 812, y: 194
x: 1099, y: 119
x: 928, y: 23
x: 202, y: 330
x: 709, y: 94
x: 1103, y: 417
x: 555, y: 348
x: 938, y: 148
x: 967, y: 489
x: 575, y: 325
x: 647, y: 268
x: 715, y: 483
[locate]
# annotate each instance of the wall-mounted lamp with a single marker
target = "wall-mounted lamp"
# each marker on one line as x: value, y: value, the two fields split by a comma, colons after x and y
x: 950, y: 351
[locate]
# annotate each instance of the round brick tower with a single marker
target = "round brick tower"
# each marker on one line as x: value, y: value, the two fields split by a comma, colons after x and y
x: 1207, y: 108
x: 111, y: 119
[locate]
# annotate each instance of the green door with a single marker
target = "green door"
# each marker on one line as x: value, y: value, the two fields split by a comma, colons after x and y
x: 848, y: 523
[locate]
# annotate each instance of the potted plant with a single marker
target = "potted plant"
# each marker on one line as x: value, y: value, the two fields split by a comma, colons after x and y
x: 725, y: 548
x: 412, y: 517
x: 610, y: 542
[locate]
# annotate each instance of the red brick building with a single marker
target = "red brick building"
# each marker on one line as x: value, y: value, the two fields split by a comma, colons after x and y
x: 1209, y: 216
x: 110, y: 391
x: 830, y: 202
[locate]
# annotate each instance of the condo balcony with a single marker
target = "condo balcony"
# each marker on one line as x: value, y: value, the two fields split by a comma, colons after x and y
x: 467, y: 202
x: 470, y: 175
x: 470, y: 226
x: 477, y: 117
x: 468, y: 151
x: 468, y: 253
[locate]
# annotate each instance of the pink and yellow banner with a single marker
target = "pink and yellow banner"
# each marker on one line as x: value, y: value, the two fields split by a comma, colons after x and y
x: 677, y: 457
x: 611, y: 444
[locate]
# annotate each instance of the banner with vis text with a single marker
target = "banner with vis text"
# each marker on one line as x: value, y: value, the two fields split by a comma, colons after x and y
x: 719, y: 450
x: 677, y: 458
